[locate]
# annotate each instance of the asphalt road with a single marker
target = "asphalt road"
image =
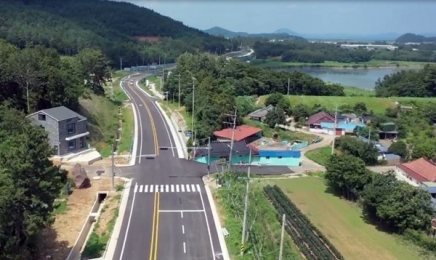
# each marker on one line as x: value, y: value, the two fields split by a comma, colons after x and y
x: 168, y: 215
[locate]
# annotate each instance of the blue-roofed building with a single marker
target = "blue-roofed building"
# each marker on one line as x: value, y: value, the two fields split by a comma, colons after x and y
x: 383, y: 154
x: 341, y: 128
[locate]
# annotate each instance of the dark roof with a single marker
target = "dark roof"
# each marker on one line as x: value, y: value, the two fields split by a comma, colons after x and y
x: 313, y: 119
x: 219, y: 149
x: 61, y: 113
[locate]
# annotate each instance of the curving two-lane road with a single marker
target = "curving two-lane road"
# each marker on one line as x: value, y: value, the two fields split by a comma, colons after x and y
x: 168, y: 215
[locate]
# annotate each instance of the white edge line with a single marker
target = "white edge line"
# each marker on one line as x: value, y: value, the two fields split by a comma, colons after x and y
x: 169, y: 123
x: 128, y: 225
x: 208, y: 227
x: 166, y: 127
x: 135, y: 135
x: 222, y: 241
x: 192, y: 210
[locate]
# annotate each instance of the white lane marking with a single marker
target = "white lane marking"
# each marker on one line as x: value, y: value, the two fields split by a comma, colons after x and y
x: 187, y: 188
x: 172, y: 188
x: 183, y: 229
x: 166, y: 127
x: 193, y: 187
x: 198, y: 188
x: 183, y: 188
x: 128, y: 225
x: 140, y: 188
x: 177, y: 188
x: 184, y: 247
x: 146, y: 188
x: 151, y: 188
x: 185, y: 210
x: 181, y: 214
x: 167, y: 187
x: 208, y: 227
x: 136, y: 188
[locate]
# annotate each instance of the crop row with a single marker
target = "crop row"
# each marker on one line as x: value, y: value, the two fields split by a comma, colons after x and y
x: 312, y: 243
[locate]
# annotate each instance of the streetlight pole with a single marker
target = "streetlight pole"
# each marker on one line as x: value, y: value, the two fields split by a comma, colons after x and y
x: 193, y: 111
x: 113, y: 166
x: 208, y: 157
x: 244, y: 225
x: 179, y: 88
x: 289, y: 81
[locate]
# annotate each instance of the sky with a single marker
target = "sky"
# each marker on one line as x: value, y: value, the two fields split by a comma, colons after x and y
x: 302, y: 16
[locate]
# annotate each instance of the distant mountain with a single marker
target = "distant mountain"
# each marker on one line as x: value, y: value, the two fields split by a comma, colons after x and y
x: 341, y: 36
x: 218, y: 31
x: 285, y: 30
x: 410, y: 37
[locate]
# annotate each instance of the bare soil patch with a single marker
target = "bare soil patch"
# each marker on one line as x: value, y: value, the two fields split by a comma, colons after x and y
x: 56, y: 241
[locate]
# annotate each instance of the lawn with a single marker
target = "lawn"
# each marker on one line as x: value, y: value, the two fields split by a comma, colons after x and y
x: 320, y: 155
x: 342, y: 222
x: 125, y: 144
x: 156, y: 80
x: 174, y: 106
x: 378, y: 105
x: 283, y: 134
x: 274, y: 63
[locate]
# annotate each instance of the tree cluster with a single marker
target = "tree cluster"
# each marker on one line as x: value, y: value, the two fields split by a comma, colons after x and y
x: 307, y: 52
x: 29, y: 184
x: 367, y: 152
x: 218, y: 81
x: 137, y: 35
x: 411, y: 37
x: 410, y: 83
x: 37, y: 78
x: 395, y: 205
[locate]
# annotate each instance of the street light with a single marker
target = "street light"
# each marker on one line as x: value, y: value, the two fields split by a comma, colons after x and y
x: 193, y: 111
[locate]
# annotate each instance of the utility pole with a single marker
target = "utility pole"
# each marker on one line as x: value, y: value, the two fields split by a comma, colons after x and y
x: 208, y: 157
x: 289, y: 82
x: 369, y: 138
x: 121, y: 63
x: 233, y: 136
x: 166, y: 93
x: 281, y: 239
x: 113, y: 166
x: 244, y: 224
x: 179, y: 88
x: 335, y: 125
x: 193, y: 112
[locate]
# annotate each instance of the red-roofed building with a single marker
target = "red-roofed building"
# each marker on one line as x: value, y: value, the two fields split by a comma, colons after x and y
x: 242, y: 132
x: 418, y: 171
x: 315, y: 120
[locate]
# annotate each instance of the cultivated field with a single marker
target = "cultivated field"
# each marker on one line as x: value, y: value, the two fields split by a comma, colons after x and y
x: 378, y: 105
x: 342, y: 223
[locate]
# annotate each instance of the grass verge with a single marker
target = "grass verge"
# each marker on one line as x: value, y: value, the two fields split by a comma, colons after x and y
x: 377, y: 105
x: 320, y: 155
x: 100, y: 236
x: 156, y: 80
x: 127, y: 131
x: 276, y: 63
x: 343, y: 223
x: 283, y: 134
x: 262, y: 221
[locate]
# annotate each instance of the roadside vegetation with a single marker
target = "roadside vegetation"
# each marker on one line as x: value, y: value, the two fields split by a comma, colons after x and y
x: 320, y: 155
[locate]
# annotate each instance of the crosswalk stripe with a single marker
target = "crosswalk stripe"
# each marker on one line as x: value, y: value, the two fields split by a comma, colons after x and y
x: 156, y: 188
x: 141, y: 187
x: 167, y: 188
x: 177, y: 188
x: 193, y: 187
x: 183, y: 188
x: 151, y: 188
x: 161, y: 188
x: 187, y: 188
x: 172, y: 188
x: 136, y: 188
x: 198, y: 187
x: 146, y: 188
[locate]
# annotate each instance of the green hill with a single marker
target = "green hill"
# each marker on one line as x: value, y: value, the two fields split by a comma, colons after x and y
x: 122, y: 30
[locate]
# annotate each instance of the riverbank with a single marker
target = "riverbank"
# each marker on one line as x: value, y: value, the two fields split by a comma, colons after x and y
x: 276, y: 63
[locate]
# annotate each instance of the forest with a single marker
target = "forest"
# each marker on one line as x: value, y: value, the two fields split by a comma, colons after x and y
x: 307, y: 52
x: 410, y: 83
x: 136, y: 35
x: 217, y: 82
x: 31, y: 79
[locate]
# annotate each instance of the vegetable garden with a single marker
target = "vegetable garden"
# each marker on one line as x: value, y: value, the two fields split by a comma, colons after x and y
x: 311, y: 242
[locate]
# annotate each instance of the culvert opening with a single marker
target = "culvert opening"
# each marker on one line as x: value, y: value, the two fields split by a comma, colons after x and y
x: 101, y: 197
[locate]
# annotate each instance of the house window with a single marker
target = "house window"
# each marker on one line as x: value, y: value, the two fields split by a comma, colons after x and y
x: 71, y: 145
x: 71, y: 128
x: 41, y: 117
x: 81, y: 142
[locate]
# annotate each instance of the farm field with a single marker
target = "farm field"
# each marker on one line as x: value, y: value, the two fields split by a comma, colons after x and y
x: 276, y: 63
x: 342, y: 223
x: 378, y: 105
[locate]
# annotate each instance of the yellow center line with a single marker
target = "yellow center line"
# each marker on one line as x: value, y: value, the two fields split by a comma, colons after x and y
x: 153, y: 225
x: 157, y: 227
x: 153, y: 126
